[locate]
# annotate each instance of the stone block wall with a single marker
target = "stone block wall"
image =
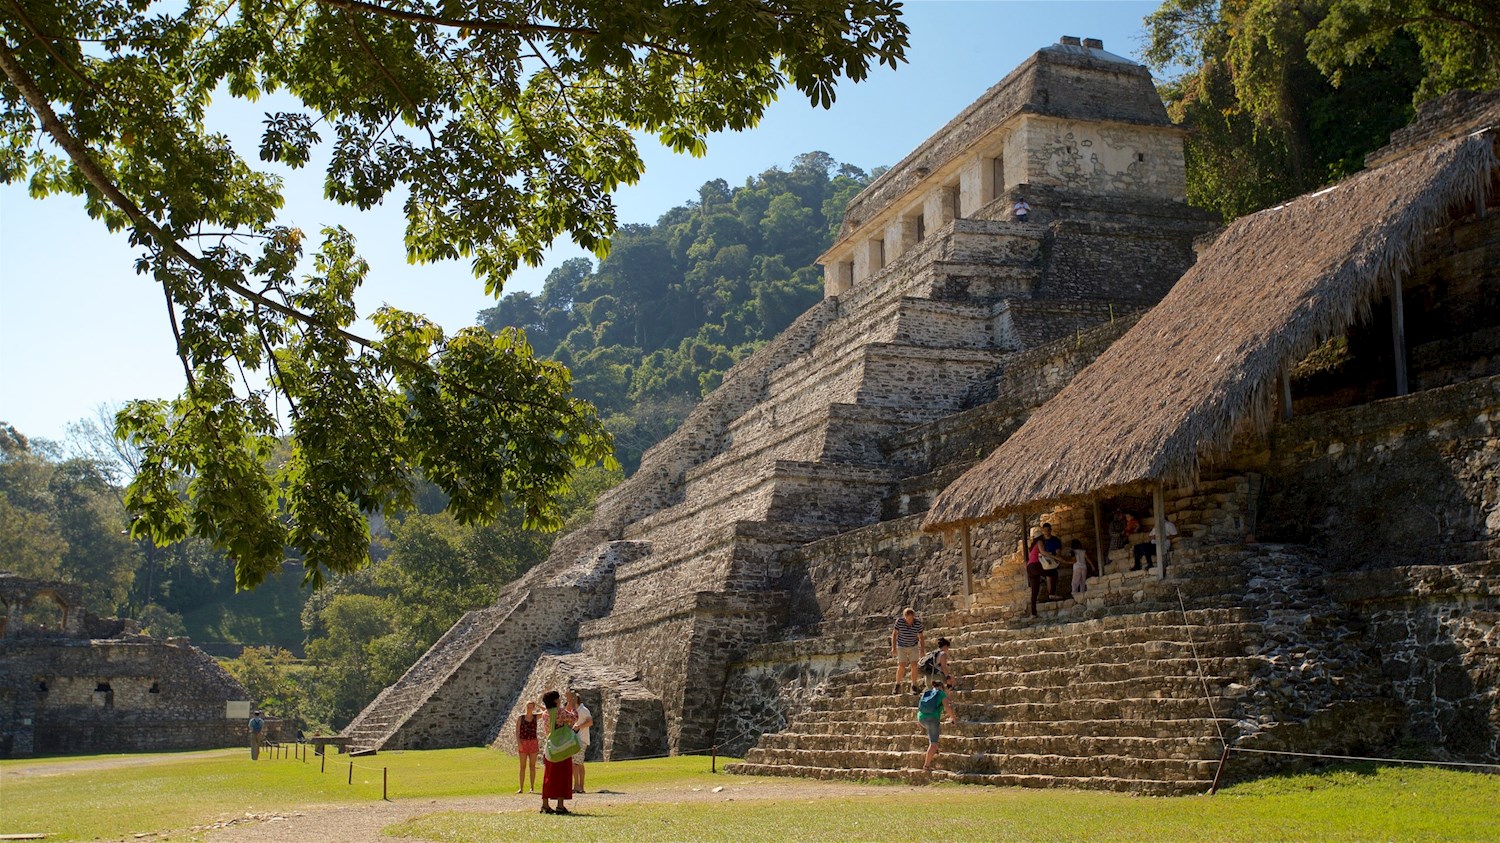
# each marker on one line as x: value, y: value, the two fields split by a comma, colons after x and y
x: 1098, y: 157
x: 1436, y: 632
x: 62, y: 696
x: 1411, y: 480
x: 680, y: 651
x: 725, y: 626
x: 629, y: 721
x: 872, y: 571
x: 1118, y: 262
x: 776, y: 681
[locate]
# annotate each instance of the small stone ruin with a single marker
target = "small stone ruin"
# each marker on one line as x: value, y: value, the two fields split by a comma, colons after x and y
x: 73, y: 683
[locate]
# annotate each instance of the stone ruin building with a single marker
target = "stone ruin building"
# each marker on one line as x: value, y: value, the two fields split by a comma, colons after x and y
x: 1333, y: 585
x: 71, y: 682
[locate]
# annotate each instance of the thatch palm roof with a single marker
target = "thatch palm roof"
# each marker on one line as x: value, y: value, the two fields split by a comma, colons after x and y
x: 1173, y: 390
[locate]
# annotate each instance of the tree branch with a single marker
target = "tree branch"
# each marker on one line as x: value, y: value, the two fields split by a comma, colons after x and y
x: 481, y: 24
x: 15, y: 72
x: 478, y: 24
x: 187, y: 368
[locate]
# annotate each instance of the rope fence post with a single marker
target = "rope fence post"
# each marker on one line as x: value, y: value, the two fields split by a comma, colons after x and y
x: 1219, y: 772
x: 385, y: 781
x: 351, y: 772
x: 713, y: 763
x: 323, y: 763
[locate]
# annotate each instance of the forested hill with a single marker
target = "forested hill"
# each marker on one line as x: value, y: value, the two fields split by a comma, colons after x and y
x: 653, y: 327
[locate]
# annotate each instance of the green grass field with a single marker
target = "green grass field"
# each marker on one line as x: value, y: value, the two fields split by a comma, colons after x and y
x: 118, y: 796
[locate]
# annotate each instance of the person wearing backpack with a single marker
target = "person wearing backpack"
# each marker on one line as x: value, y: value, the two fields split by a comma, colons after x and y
x: 934, y: 665
x: 257, y: 733
x: 930, y: 715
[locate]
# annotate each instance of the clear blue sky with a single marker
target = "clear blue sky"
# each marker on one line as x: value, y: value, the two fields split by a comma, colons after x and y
x: 78, y: 327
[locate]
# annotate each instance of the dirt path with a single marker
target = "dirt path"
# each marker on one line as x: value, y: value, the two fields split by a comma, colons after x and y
x: 42, y: 769
x: 354, y: 823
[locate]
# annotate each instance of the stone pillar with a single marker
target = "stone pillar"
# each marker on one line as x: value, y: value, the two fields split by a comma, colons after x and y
x: 972, y: 185
x: 869, y: 259
x: 941, y: 206
x: 838, y: 277
x: 900, y: 236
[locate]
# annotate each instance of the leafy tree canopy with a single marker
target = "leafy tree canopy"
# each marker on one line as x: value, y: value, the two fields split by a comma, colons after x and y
x: 500, y: 124
x: 1286, y: 96
x: 60, y: 519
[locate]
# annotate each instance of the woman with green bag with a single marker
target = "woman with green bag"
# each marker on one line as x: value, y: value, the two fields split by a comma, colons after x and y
x: 557, y: 756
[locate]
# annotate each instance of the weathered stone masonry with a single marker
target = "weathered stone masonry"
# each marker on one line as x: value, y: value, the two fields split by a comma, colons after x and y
x: 87, y: 684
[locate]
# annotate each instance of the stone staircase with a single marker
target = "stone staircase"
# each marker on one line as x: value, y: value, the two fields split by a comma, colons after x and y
x: 382, y: 717
x: 1105, y: 696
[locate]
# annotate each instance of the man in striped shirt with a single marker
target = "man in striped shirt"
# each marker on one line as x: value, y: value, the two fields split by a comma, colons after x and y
x: 907, y: 644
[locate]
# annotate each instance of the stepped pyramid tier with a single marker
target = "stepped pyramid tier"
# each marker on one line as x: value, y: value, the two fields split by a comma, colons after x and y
x: 737, y: 590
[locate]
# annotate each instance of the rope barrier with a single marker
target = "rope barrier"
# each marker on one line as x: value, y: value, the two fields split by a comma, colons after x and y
x: 1364, y: 758
x: 1228, y: 748
x: 1198, y: 663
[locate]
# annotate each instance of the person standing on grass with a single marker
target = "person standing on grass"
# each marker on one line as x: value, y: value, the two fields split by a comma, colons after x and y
x: 527, y: 744
x: 582, y: 720
x: 930, y: 714
x: 907, y: 644
x: 557, y: 776
x: 257, y: 733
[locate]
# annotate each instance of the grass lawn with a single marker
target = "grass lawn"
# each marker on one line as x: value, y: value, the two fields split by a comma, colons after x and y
x: 88, y: 798
x: 1365, y: 803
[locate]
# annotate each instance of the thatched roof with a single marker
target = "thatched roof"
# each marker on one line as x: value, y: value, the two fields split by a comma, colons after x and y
x: 1173, y: 390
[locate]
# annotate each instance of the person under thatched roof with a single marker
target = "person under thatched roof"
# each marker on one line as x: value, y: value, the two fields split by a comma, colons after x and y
x: 1175, y: 388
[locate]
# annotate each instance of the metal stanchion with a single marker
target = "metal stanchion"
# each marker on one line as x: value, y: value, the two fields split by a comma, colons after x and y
x: 351, y: 772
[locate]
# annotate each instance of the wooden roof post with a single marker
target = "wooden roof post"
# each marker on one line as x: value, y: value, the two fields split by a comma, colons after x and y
x: 1398, y: 334
x: 1099, y: 537
x: 1025, y: 530
x: 968, y: 568
x: 1163, y: 544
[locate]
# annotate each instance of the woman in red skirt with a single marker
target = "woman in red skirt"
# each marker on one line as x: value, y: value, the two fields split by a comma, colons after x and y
x: 557, y: 776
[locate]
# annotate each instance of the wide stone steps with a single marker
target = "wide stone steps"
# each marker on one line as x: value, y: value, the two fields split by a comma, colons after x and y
x: 974, y: 678
x: 383, y: 716
x: 1057, y: 689
x: 1151, y: 727
x: 984, y: 763
x: 1182, y: 747
x: 1128, y: 691
x: 1146, y: 787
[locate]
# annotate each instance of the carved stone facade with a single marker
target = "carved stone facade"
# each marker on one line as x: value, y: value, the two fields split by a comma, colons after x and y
x: 739, y: 584
x: 73, y: 683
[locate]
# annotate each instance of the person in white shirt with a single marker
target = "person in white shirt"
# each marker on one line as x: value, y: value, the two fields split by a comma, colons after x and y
x: 582, y: 720
x: 1021, y: 209
x: 1146, y: 550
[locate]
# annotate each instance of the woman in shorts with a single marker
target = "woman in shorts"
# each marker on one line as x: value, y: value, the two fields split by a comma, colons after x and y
x: 527, y: 744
